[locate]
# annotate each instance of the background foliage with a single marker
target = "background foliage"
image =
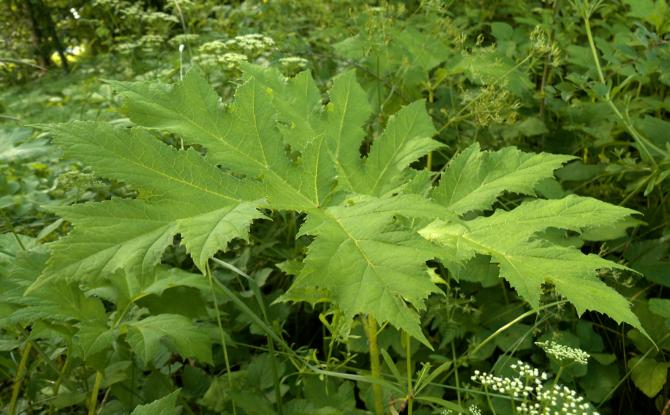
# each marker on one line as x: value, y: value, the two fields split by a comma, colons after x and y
x: 586, y: 79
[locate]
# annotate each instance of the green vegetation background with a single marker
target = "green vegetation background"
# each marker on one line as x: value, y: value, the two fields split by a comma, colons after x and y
x: 588, y: 79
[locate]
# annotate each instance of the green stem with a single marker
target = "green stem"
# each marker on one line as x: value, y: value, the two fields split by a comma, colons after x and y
x: 375, y: 366
x: 59, y: 381
x: 558, y: 375
x: 642, y: 143
x: 222, y: 335
x: 510, y: 324
x: 408, y: 358
x: 489, y: 401
x: 259, y: 299
x: 429, y: 157
x: 630, y: 371
x: 12, y: 230
x: 94, y: 393
x: 458, y: 384
x: 18, y: 379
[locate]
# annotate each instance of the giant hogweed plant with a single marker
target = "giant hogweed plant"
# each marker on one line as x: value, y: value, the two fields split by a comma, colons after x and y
x: 374, y: 220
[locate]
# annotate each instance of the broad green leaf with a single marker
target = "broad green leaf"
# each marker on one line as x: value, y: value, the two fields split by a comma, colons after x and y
x: 92, y: 338
x: 474, y: 179
x: 407, y: 137
x: 660, y: 307
x: 154, y: 168
x: 130, y: 287
x: 297, y: 101
x: 366, y: 265
x: 55, y: 302
x: 191, y: 109
x: 186, y: 195
x: 132, y: 235
x: 346, y: 113
x: 108, y: 236
x: 420, y: 49
x: 513, y: 240
x: 190, y: 340
x: 206, y: 234
x: 166, y: 405
x: 649, y: 375
x: 276, y: 146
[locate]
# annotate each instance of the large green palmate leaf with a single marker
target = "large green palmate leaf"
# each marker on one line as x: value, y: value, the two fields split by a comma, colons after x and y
x: 278, y: 146
x: 474, y: 179
x: 179, y: 193
x: 365, y: 264
x: 514, y: 239
x: 329, y: 139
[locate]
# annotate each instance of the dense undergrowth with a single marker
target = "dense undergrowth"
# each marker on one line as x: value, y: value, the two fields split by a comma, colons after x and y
x: 336, y: 208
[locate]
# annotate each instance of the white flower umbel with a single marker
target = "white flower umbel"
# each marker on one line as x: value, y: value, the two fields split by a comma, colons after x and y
x: 251, y: 44
x: 293, y: 64
x: 564, y: 353
x: 530, y: 394
x: 474, y: 410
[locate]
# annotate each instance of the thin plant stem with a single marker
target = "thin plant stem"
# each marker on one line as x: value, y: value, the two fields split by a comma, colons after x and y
x: 224, y: 345
x: 642, y: 142
x: 183, y: 27
x: 94, y: 393
x: 408, y: 359
x: 375, y: 367
x: 259, y: 299
x: 431, y: 99
x: 630, y: 370
x: 558, y: 375
x: 489, y: 401
x: 12, y: 230
x: 18, y: 379
x: 513, y: 322
x: 61, y: 375
x: 458, y: 383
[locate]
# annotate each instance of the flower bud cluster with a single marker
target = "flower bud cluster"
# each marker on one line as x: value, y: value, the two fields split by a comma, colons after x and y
x: 230, y: 53
x: 558, y: 400
x: 531, y: 396
x: 474, y: 410
x: 293, y: 64
x: 251, y: 44
x: 564, y: 353
x: 540, y: 43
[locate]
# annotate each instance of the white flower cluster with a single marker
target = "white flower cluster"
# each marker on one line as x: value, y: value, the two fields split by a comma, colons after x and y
x: 293, y: 64
x: 232, y: 60
x: 215, y: 47
x: 564, y: 353
x: 183, y: 38
x: 519, y: 387
x: 231, y: 52
x: 474, y: 410
x: 251, y: 44
x: 161, y: 17
x: 529, y: 394
x: 214, y: 54
x: 557, y: 400
x: 151, y: 40
x: 293, y: 60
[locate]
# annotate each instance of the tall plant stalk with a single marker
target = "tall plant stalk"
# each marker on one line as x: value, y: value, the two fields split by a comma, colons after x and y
x: 94, y: 393
x: 643, y: 144
x: 375, y: 366
x: 20, y: 374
